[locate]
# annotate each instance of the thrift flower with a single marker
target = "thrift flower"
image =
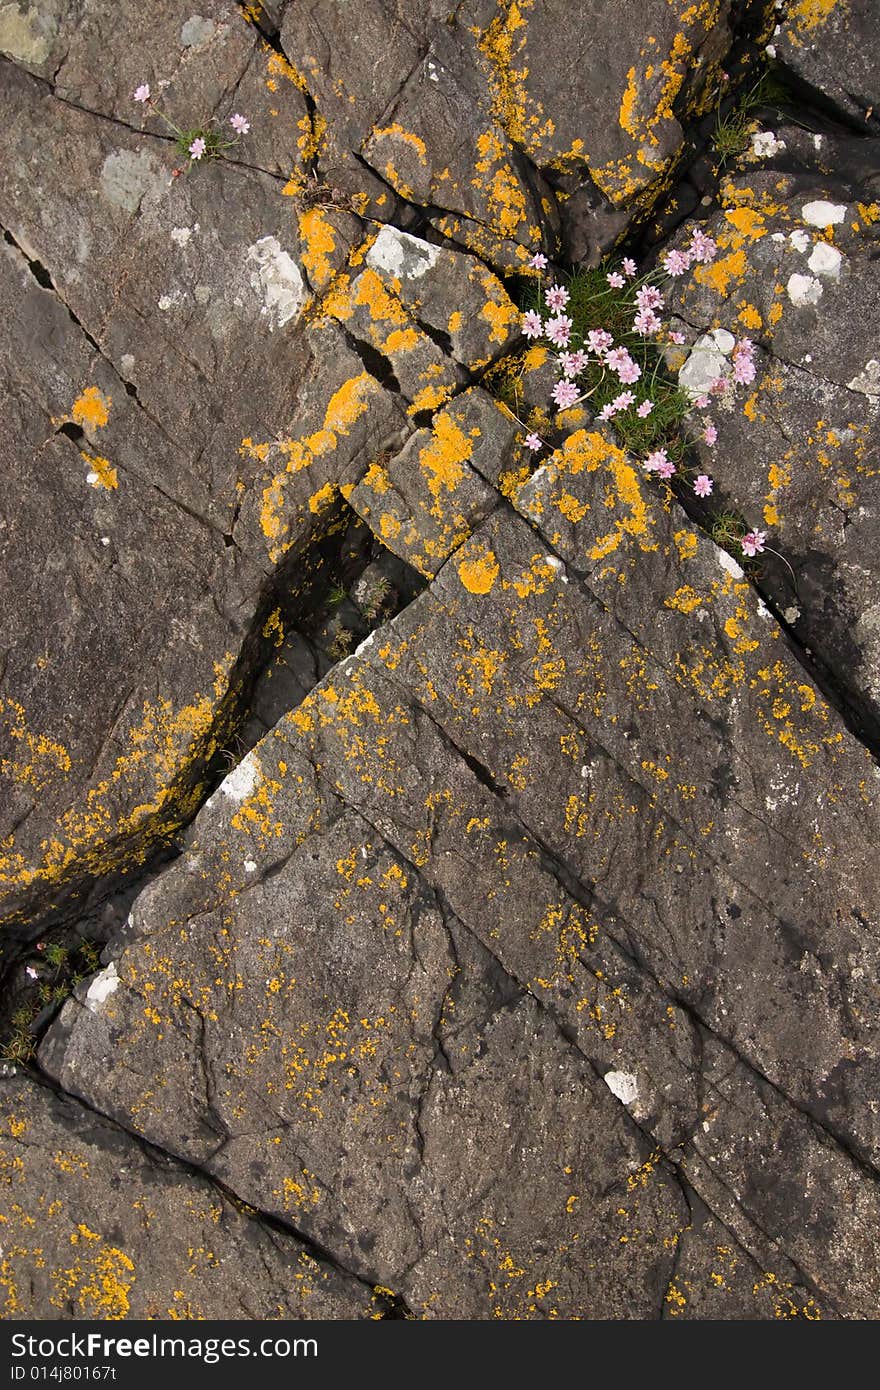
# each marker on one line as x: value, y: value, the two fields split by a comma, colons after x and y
x: 197, y: 148
x: 240, y: 124
x: 629, y: 372
x: 649, y: 297
x: 718, y: 386
x: 646, y: 322
x: 753, y: 542
x: 623, y: 401
x: 565, y: 393
x: 615, y: 279
x: 599, y: 341
x: 675, y: 263
x: 558, y: 330
x: 538, y: 262
x: 710, y: 434
x: 533, y: 324
x: 743, y: 370
x: 31, y: 973
x: 675, y: 337
x: 656, y: 460
x: 665, y: 469
x: 557, y: 297
x: 533, y: 442
x: 629, y: 267
x: 645, y: 409
x: 606, y: 412
x: 573, y: 362
x: 703, y: 485
x: 701, y: 402
x: 703, y: 249
x: 142, y: 93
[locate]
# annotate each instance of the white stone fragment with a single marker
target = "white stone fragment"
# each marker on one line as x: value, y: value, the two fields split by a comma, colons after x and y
x: 250, y: 866
x: 181, y: 235
x: 242, y: 780
x: 728, y: 564
x: 278, y: 280
x: 400, y: 255
x: 803, y: 290
x: 825, y: 260
x: 867, y: 381
x: 706, y: 362
x: 765, y: 143
x: 102, y: 987
x: 623, y: 1085
x: 800, y: 240
x: 823, y: 214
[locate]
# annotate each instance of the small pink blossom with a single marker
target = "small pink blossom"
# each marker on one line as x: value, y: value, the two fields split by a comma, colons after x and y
x: 666, y: 469
x: 240, y: 124
x: 655, y: 461
x: 565, y: 393
x: 675, y: 263
x: 197, y: 148
x: 649, y: 297
x: 538, y: 262
x: 701, y: 402
x: 31, y: 973
x: 607, y: 411
x: 573, y: 362
x: 629, y: 372
x: 753, y: 542
x: 533, y: 324
x: 675, y: 337
x: 629, y: 267
x: 557, y: 297
x: 743, y: 370
x: 615, y: 279
x: 533, y: 442
x: 703, y: 485
x: 558, y: 330
x: 718, y: 387
x: 710, y: 434
x: 703, y: 249
x: 599, y: 341
x: 142, y: 93
x: 645, y: 409
x: 623, y: 401
x: 646, y: 322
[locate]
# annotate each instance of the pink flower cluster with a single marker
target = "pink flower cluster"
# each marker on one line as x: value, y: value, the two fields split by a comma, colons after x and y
x: 198, y: 147
x: 701, y: 251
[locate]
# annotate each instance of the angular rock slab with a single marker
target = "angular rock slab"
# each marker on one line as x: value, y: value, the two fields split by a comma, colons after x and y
x: 829, y: 44
x: 96, y: 1226
x: 798, y: 454
x: 492, y: 804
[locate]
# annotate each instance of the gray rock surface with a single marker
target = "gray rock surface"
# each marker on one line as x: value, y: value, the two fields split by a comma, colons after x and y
x: 513, y: 946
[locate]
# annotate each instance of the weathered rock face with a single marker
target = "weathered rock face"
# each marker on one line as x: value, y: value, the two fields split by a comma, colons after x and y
x: 798, y: 272
x: 98, y: 1226
x: 827, y: 45
x: 523, y: 966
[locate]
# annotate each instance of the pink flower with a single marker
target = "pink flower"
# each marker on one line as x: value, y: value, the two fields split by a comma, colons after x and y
x: 703, y: 249
x: 533, y: 324
x: 142, y: 93
x: 197, y: 148
x: 675, y: 263
x: 606, y: 412
x: 615, y: 279
x: 710, y: 434
x: 703, y: 485
x: 645, y: 409
x: 599, y: 341
x: 655, y: 461
x: 565, y: 393
x: 701, y: 402
x: 558, y: 330
x: 629, y: 267
x: 557, y: 297
x: 538, y: 262
x: 623, y: 401
x: 240, y: 124
x: 718, y: 386
x: 744, y: 347
x: 743, y: 369
x: 665, y: 469
x: 649, y: 297
x: 675, y: 337
x: 573, y: 362
x: 753, y: 542
x: 646, y: 322
x: 31, y: 973
x: 533, y: 442
x: 629, y: 372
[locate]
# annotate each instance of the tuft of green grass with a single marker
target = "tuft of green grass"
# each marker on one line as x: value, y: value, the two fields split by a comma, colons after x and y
x: 214, y: 142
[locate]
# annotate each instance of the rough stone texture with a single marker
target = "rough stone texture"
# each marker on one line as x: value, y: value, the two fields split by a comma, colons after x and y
x: 95, y: 1225
x: 828, y: 44
x: 798, y: 455
x: 523, y: 961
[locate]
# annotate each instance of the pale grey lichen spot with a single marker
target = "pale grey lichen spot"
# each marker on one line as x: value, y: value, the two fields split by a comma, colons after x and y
x: 278, y: 280
x: 197, y: 31
x: 127, y: 178
x: 825, y: 260
x: 728, y: 564
x: 400, y: 255
x: 242, y: 780
x: 623, y: 1085
x: 868, y: 380
x: 706, y: 362
x: 26, y: 35
x: 101, y: 988
x: 823, y: 214
x: 803, y: 290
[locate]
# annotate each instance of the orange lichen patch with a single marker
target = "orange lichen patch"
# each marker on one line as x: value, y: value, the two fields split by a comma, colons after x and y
x: 430, y: 397
x: 502, y: 44
x: 442, y: 458
x: 478, y: 573
x: 101, y: 472
x: 811, y: 14
x: 498, y: 309
x: 317, y: 235
x: 91, y: 409
x: 456, y: 319
x: 496, y: 177
x: 750, y: 223
x: 720, y: 273
x: 589, y: 451
x: 750, y: 317
x: 405, y: 137
x: 41, y: 757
